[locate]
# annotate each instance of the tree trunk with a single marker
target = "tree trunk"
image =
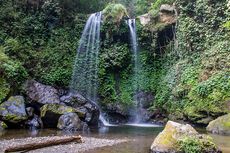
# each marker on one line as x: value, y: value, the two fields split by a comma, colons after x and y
x: 37, y: 145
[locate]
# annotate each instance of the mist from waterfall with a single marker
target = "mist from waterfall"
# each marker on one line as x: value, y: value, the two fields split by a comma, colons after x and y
x: 136, y: 69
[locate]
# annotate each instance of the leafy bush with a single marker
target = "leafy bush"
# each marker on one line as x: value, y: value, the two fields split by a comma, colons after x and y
x: 114, y: 13
x: 195, y: 145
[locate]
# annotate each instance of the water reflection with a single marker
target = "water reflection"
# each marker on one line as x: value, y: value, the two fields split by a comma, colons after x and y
x: 141, y: 137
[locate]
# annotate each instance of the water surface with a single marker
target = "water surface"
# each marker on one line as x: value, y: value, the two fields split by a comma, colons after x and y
x: 141, y: 137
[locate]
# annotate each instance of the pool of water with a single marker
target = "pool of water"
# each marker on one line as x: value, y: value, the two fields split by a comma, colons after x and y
x: 141, y: 137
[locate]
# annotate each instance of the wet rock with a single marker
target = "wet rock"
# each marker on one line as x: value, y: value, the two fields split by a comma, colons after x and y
x: 117, y: 114
x: 40, y: 93
x: 2, y: 125
x: 90, y: 109
x: 115, y: 118
x: 30, y: 111
x: 13, y: 110
x: 73, y: 99
x: 145, y: 99
x: 205, y: 121
x: 145, y: 19
x: 167, y: 8
x: 177, y: 137
x: 69, y: 122
x: 50, y: 113
x: 92, y: 113
x: 220, y: 126
x: 34, y: 123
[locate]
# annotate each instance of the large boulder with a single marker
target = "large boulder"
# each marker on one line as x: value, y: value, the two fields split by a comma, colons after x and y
x: 178, y: 138
x: 50, y: 113
x: 92, y: 113
x: 220, y: 126
x: 2, y: 125
x: 73, y: 99
x: 69, y: 122
x: 90, y: 108
x: 13, y: 110
x: 40, y: 93
x: 117, y: 113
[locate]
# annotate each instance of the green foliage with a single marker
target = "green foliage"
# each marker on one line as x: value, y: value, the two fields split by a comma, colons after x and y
x: 114, y: 13
x: 194, y: 78
x: 116, y: 57
x: 155, y: 8
x: 195, y: 145
x: 4, y: 89
x: 12, y: 73
x: 156, y: 5
x: 227, y: 25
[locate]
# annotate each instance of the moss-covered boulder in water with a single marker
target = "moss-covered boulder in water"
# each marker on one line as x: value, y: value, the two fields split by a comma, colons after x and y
x: 220, y: 126
x: 13, y: 110
x: 2, y: 125
x: 50, y: 113
x: 174, y: 139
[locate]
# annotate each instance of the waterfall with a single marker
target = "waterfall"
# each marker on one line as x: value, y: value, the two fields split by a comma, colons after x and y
x: 134, y: 43
x: 85, y: 73
x: 84, y: 78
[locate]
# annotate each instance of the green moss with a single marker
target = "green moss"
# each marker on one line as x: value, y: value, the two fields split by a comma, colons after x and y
x: 3, y: 125
x: 4, y: 88
x: 196, y: 144
x: 227, y: 124
x: 59, y: 109
x: 114, y: 13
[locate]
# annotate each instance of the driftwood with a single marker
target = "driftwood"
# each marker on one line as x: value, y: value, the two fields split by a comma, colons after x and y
x: 45, y: 143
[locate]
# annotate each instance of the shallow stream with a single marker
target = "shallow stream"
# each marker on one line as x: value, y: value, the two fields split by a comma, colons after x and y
x: 141, y: 137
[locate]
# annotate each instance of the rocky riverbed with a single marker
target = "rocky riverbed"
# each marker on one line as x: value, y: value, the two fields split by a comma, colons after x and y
x: 89, y: 144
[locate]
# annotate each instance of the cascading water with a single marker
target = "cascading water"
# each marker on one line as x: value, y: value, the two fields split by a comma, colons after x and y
x: 136, y: 78
x: 84, y: 78
x: 85, y: 74
x: 134, y: 43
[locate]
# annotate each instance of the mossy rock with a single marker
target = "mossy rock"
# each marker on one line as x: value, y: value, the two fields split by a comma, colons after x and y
x: 13, y: 110
x: 176, y: 137
x: 2, y: 125
x: 220, y: 126
x: 50, y: 113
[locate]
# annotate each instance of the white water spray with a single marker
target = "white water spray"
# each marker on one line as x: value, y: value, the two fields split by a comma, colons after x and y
x: 85, y: 74
x: 134, y: 43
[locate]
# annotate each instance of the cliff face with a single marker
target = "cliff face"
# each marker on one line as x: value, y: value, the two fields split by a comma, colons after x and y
x: 183, y: 46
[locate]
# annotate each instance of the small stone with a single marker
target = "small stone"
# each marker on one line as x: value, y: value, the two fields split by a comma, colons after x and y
x: 69, y: 122
x: 34, y: 123
x: 2, y: 125
x: 30, y: 111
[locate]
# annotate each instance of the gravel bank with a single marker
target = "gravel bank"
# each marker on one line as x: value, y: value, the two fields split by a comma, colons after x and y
x: 89, y: 143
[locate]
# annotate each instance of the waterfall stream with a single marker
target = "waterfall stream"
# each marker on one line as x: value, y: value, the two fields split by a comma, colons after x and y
x: 84, y: 78
x: 136, y: 70
x: 85, y: 73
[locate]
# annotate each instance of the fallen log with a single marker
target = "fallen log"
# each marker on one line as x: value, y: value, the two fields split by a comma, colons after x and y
x: 43, y: 144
